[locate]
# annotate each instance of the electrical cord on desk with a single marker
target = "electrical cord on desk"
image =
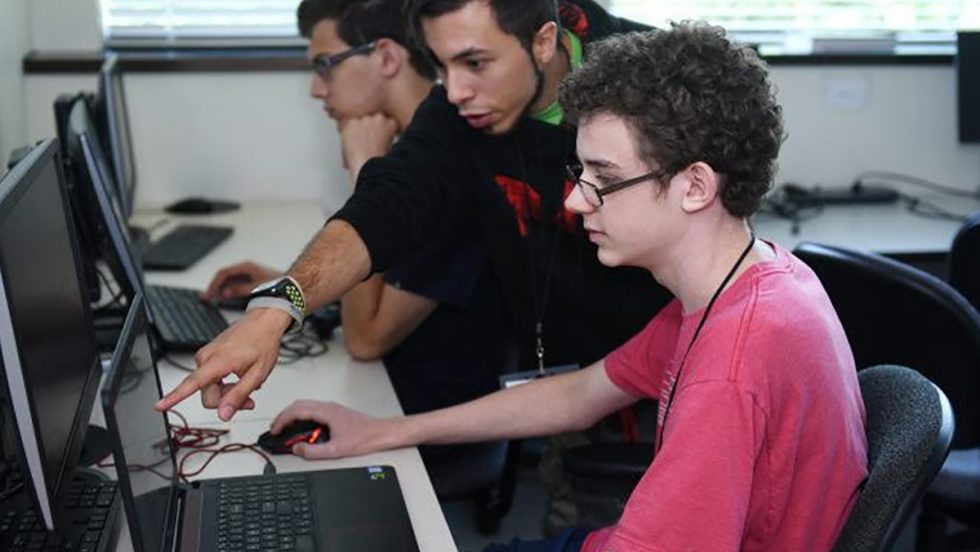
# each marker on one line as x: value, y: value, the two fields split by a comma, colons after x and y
x: 889, y: 177
x: 927, y: 209
x: 303, y: 344
x: 199, y: 440
x: 787, y: 203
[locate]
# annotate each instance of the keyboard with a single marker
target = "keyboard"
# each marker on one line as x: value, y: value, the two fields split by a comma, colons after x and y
x: 269, y: 513
x: 183, y: 246
x: 88, y: 520
x: 183, y: 322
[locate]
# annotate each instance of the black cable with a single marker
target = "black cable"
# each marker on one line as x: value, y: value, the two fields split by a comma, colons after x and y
x: 892, y: 177
x: 300, y: 345
x: 927, y: 209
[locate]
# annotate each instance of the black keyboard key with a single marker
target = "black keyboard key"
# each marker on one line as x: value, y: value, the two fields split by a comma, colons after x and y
x: 184, y: 322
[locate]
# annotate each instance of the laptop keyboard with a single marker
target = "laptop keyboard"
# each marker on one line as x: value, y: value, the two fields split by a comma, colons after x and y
x: 265, y: 514
x: 88, y: 521
x: 183, y: 246
x: 184, y: 322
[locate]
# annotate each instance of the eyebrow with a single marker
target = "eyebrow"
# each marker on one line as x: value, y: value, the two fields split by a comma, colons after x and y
x: 600, y: 163
x: 471, y: 51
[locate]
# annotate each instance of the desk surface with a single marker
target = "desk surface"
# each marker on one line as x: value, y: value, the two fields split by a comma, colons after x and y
x: 273, y: 233
x: 881, y: 228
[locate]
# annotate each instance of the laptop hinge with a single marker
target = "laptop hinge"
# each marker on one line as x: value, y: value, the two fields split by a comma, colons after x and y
x: 190, y: 524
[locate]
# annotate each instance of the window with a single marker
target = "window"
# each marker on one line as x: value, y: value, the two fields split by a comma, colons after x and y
x: 806, y: 26
x: 778, y: 26
x: 142, y: 21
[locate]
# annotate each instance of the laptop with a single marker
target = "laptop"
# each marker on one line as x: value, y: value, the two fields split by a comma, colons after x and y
x: 339, y: 510
x: 183, y: 322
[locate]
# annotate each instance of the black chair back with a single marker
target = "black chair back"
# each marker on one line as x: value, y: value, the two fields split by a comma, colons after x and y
x: 964, y: 260
x: 909, y: 428
x: 896, y: 314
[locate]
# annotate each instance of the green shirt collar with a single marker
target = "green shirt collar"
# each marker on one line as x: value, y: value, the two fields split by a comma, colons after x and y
x: 553, y: 114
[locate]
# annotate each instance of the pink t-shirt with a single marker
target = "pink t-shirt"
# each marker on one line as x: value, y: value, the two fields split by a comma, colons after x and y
x: 764, y: 447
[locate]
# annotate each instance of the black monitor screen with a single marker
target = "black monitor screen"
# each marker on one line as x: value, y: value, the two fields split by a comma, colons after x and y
x: 50, y: 331
x: 140, y: 437
x: 117, y: 139
x: 102, y: 215
x: 968, y: 85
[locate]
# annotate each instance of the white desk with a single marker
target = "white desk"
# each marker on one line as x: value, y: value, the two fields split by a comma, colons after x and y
x: 880, y: 228
x: 273, y: 234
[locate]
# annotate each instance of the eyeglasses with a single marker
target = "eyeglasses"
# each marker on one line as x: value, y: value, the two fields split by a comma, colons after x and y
x: 323, y: 64
x: 593, y: 194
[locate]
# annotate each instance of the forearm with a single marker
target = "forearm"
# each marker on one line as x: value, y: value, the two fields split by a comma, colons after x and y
x: 334, y: 261
x: 541, y: 407
x: 359, y: 307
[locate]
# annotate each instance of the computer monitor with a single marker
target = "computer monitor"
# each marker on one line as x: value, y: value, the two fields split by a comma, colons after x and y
x: 143, y: 439
x: 102, y: 213
x: 968, y: 85
x: 114, y: 120
x: 47, y: 344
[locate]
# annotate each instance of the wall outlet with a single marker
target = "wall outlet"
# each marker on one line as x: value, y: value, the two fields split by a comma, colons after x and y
x: 847, y: 92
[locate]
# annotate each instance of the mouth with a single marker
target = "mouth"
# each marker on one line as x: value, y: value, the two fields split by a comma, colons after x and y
x: 478, y: 120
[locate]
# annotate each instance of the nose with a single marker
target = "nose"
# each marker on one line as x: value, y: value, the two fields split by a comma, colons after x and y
x: 318, y: 87
x: 575, y: 201
x: 458, y: 90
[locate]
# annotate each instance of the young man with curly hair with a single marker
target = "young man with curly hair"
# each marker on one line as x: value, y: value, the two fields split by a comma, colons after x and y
x: 760, y: 439
x: 482, y: 160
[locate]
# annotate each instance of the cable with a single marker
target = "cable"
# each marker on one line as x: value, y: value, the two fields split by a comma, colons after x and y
x: 927, y: 209
x: 892, y: 177
x: 198, y: 440
x: 300, y: 345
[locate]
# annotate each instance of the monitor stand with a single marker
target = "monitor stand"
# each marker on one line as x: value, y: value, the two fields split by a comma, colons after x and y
x: 96, y: 446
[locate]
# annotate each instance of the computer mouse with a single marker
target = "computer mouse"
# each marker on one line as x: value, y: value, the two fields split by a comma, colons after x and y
x: 200, y: 206
x: 296, y: 432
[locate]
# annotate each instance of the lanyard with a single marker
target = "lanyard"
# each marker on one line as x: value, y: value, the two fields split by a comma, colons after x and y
x: 697, y: 331
x: 539, y: 301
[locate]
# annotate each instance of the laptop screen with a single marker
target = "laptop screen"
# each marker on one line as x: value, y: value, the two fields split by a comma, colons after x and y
x: 140, y: 433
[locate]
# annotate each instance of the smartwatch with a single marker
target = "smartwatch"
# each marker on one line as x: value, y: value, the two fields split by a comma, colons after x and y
x: 284, y: 294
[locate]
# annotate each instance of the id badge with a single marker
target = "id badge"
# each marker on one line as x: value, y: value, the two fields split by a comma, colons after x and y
x: 517, y: 378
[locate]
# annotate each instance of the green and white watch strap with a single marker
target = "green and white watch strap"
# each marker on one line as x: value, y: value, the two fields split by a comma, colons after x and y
x: 284, y: 294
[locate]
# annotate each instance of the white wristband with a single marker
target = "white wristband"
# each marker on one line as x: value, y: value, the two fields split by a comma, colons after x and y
x: 281, y: 304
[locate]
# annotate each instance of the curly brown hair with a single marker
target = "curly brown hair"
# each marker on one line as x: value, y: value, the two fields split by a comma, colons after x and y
x: 690, y: 94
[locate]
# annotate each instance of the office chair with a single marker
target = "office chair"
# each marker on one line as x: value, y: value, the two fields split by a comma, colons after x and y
x: 484, y: 472
x: 964, y: 260
x: 896, y: 314
x: 909, y: 429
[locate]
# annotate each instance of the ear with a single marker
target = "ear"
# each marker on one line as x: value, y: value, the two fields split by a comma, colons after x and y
x: 391, y: 55
x: 701, y: 187
x: 545, y: 43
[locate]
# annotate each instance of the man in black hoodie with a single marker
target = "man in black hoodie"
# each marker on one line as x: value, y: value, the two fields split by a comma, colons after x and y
x: 484, y: 157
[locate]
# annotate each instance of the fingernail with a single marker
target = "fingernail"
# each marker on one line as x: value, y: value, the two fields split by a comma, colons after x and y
x: 226, y: 412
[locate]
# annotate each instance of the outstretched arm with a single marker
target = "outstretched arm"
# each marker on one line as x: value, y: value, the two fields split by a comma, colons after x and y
x: 541, y: 407
x: 333, y: 262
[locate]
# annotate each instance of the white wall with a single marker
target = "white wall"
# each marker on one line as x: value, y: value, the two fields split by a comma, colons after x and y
x: 845, y: 120
x: 13, y: 45
x: 260, y: 136
x: 65, y: 25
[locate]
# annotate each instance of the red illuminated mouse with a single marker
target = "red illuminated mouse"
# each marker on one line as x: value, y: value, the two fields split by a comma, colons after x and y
x: 299, y: 431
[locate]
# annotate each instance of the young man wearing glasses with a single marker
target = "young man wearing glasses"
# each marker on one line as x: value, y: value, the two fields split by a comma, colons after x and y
x: 443, y: 334
x: 760, y: 433
x: 484, y: 157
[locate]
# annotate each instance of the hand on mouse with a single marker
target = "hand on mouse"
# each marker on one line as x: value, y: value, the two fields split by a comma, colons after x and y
x: 238, y: 280
x: 351, y: 433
